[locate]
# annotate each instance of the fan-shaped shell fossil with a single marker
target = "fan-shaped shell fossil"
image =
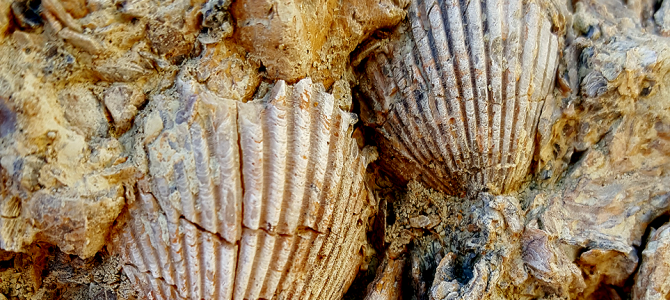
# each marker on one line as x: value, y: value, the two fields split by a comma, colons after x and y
x: 458, y: 89
x: 248, y: 200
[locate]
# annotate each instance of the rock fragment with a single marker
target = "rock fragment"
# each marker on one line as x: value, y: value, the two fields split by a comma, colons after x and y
x: 5, y: 18
x: 419, y: 221
x: 76, y: 8
x: 548, y: 264
x: 83, y: 41
x: 76, y: 223
x: 662, y: 18
x: 652, y: 281
x: 7, y: 119
x: 56, y: 8
x: 128, y: 67
x: 387, y: 284
x: 447, y: 285
x: 606, y: 267
x: 166, y: 40
x: 122, y: 101
x: 83, y: 111
x: 226, y: 71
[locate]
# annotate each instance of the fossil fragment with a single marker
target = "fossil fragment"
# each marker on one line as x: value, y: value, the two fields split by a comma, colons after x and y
x: 55, y: 13
x: 248, y: 200
x: 548, y: 265
x: 457, y: 91
x: 56, y: 8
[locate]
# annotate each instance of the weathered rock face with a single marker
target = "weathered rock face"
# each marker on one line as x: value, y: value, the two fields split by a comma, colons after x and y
x: 212, y: 150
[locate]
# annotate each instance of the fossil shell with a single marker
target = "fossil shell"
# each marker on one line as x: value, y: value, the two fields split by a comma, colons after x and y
x: 248, y: 200
x: 458, y: 89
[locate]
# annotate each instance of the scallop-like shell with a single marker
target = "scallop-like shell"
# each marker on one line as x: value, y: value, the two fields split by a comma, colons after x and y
x: 249, y: 200
x: 458, y: 90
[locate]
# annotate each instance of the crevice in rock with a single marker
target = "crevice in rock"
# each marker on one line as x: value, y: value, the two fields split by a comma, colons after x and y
x: 576, y: 157
x: 359, y: 287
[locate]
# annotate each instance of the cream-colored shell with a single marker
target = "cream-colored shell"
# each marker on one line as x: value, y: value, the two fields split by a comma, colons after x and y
x: 460, y: 87
x: 248, y: 200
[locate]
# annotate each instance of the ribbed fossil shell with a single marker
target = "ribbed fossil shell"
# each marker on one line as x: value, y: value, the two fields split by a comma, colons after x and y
x: 248, y: 200
x: 458, y: 90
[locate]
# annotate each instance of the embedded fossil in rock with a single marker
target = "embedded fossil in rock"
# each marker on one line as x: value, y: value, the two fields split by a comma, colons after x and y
x: 248, y: 200
x: 94, y: 141
x: 458, y: 104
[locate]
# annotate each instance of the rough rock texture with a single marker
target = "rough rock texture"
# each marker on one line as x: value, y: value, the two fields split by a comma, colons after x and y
x: 298, y: 38
x: 100, y: 102
x: 44, y: 272
x: 599, y: 180
x: 651, y: 281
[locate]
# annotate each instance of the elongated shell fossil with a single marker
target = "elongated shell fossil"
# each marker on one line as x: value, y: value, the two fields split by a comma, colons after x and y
x: 248, y: 200
x: 457, y: 91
